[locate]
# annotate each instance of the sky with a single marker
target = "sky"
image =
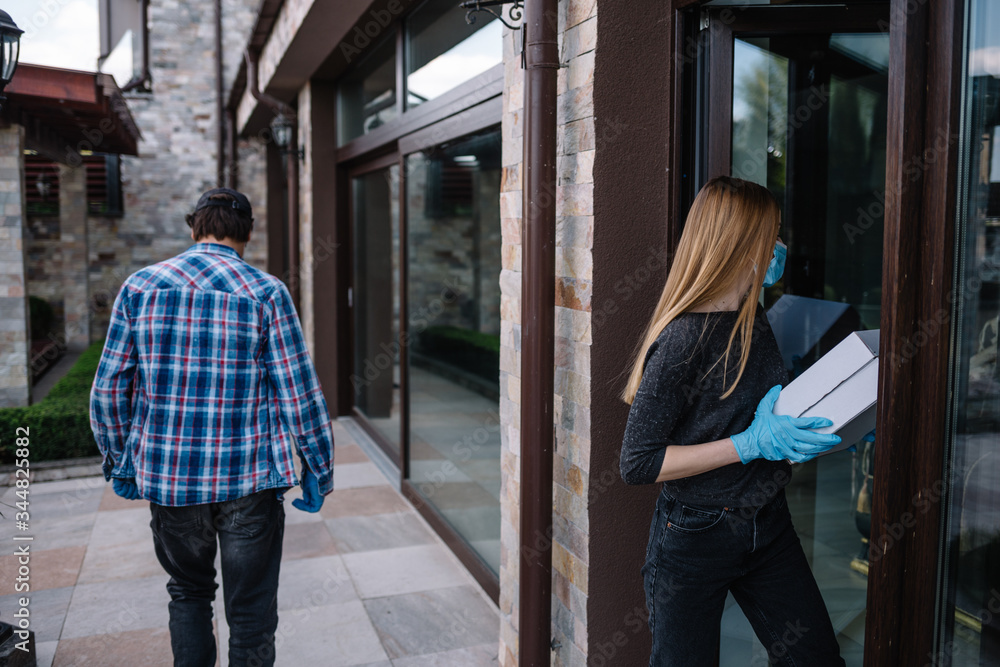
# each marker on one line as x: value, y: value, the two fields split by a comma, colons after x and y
x: 58, y: 33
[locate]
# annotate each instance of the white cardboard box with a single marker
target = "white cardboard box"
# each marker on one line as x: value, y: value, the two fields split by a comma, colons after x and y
x: 842, y: 386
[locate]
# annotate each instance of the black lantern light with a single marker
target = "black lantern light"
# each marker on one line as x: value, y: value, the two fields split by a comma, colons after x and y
x: 10, y: 46
x: 282, y: 130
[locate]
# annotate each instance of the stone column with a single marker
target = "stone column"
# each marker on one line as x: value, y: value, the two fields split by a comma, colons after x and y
x: 73, y: 242
x: 15, y: 359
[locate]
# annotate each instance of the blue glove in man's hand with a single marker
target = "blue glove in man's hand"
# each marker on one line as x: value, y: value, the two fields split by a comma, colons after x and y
x: 311, y: 499
x: 126, y: 488
x: 775, y: 437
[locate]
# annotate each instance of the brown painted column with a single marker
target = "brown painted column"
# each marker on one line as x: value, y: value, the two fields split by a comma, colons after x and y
x: 538, y: 331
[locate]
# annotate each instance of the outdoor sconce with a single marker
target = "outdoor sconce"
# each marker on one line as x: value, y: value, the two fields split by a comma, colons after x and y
x: 282, y: 129
x: 10, y: 46
x: 475, y: 6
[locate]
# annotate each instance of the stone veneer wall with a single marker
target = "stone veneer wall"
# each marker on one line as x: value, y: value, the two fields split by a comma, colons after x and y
x: 73, y: 246
x: 177, y: 154
x: 574, y: 241
x: 15, y: 380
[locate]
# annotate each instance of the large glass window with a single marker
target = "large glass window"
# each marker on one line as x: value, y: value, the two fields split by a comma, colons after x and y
x: 442, y: 50
x: 367, y: 95
x: 971, y: 592
x: 453, y: 241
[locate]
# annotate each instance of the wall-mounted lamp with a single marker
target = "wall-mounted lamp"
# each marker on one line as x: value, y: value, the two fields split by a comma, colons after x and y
x: 475, y: 6
x: 283, y: 129
x: 10, y: 47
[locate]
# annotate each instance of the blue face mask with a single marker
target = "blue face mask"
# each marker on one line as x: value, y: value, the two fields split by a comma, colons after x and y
x: 777, y: 266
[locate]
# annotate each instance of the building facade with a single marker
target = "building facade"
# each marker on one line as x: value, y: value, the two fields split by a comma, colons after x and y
x: 397, y: 211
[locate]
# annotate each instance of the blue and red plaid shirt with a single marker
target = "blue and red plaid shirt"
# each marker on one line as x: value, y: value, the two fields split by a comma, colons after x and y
x: 205, y: 390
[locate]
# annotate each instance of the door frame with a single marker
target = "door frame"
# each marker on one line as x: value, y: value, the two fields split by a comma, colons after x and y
x: 903, y: 624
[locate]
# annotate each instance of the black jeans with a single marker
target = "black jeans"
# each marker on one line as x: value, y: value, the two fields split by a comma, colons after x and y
x: 248, y: 532
x: 698, y: 554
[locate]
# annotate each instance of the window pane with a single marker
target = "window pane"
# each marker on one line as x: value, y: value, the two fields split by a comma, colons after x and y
x: 453, y: 230
x: 367, y: 95
x: 442, y: 50
x: 376, y: 377
x: 971, y: 591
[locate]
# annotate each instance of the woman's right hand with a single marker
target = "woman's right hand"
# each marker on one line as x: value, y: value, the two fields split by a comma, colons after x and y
x: 776, y: 437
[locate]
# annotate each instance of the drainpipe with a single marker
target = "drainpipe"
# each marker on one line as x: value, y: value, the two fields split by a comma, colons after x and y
x: 541, y: 62
x: 220, y: 162
x: 292, y: 157
x: 144, y: 78
x: 232, y: 174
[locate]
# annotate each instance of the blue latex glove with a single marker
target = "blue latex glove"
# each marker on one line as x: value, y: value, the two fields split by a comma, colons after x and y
x: 126, y: 488
x: 311, y: 499
x: 774, y: 437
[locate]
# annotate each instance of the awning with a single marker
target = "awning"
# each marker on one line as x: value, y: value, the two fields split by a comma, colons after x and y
x: 65, y: 112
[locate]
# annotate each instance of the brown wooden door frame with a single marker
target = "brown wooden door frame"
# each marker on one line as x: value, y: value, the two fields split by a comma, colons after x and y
x: 923, y: 120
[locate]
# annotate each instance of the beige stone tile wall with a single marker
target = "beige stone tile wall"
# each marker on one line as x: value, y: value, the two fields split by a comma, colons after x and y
x: 574, y: 277
x: 15, y: 381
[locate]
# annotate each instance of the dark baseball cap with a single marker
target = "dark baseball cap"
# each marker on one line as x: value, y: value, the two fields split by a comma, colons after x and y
x: 239, y: 201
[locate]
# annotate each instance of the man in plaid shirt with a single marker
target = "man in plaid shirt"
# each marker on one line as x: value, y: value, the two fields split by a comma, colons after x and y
x: 204, y: 395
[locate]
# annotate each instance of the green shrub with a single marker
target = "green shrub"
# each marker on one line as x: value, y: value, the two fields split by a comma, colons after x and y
x: 59, y: 425
x: 43, y: 317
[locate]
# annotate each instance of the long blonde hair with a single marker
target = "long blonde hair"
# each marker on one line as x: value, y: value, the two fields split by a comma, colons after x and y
x: 730, y: 222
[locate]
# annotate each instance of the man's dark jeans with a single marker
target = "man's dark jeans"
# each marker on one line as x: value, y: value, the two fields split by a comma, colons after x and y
x: 698, y: 554
x: 248, y: 533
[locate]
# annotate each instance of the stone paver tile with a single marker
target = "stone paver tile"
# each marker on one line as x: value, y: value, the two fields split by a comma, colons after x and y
x: 403, y: 570
x: 354, y: 475
x: 349, y: 454
x: 296, y: 517
x: 78, y: 485
x: 484, y: 655
x: 130, y: 560
x: 112, y: 607
x: 149, y: 648
x: 380, y: 531
x: 433, y: 621
x: 306, y: 540
x: 122, y: 526
x: 58, y: 533
x: 365, y: 501
x: 47, y: 609
x: 339, y: 635
x: 45, y: 506
x: 44, y: 652
x: 112, y: 501
x: 53, y: 568
x: 315, y: 582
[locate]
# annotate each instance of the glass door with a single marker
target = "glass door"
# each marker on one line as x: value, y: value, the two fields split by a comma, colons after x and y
x: 796, y: 100
x: 375, y: 303
x: 970, y: 593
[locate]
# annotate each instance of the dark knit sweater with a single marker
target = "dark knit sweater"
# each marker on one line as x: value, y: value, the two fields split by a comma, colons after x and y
x: 678, y: 403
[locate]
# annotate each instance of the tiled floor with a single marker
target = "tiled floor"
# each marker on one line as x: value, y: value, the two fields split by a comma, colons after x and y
x: 364, y: 582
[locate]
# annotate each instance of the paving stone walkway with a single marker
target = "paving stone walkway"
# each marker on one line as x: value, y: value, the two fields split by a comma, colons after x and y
x: 363, y: 582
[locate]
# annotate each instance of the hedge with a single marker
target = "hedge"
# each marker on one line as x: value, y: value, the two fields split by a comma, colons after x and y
x: 59, y: 424
x: 473, y: 351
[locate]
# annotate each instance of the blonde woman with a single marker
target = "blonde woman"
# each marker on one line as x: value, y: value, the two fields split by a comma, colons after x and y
x: 702, y: 390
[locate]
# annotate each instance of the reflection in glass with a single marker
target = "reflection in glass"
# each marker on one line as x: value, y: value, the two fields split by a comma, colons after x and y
x: 809, y: 121
x: 366, y: 96
x: 453, y: 241
x: 971, y: 587
x: 375, y: 202
x: 442, y: 50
